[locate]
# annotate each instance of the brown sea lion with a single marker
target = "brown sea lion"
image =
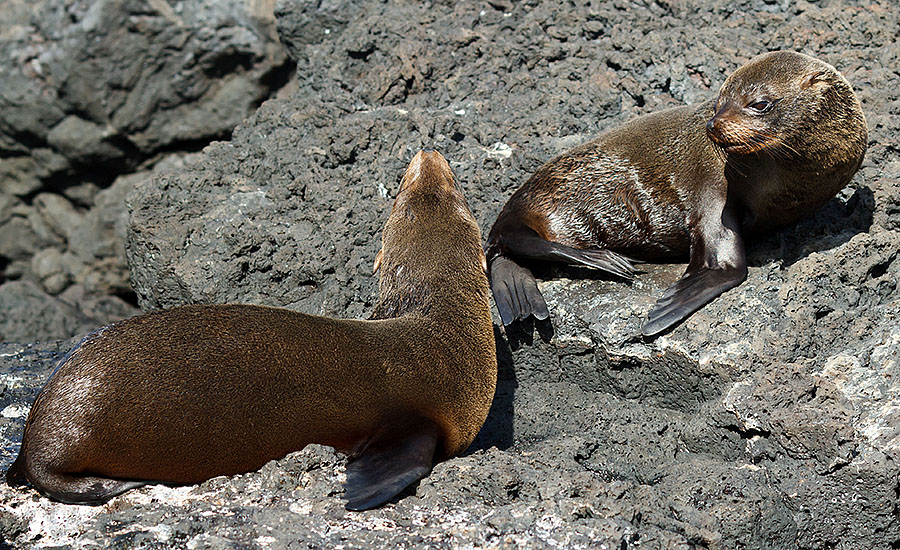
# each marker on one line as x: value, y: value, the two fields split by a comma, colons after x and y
x: 785, y: 134
x: 182, y: 395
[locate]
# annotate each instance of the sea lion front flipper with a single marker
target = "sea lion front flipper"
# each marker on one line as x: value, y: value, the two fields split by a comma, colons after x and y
x: 688, y: 294
x: 390, y: 461
x: 515, y: 291
x: 718, y: 263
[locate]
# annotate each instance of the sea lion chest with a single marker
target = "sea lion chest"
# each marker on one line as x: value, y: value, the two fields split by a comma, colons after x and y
x: 772, y: 196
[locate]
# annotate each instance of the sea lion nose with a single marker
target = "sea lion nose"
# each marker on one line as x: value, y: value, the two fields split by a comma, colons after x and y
x: 725, y: 109
x: 428, y: 167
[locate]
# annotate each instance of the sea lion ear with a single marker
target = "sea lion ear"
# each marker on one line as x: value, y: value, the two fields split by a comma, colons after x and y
x: 377, y: 263
x: 813, y: 79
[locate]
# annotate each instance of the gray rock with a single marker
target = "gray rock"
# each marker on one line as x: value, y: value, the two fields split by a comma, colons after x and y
x: 73, y: 245
x: 49, y: 266
x: 7, y: 204
x: 30, y: 314
x: 46, y: 229
x: 101, y: 308
x: 766, y: 420
x: 166, y: 74
x: 91, y: 89
x: 58, y: 214
x: 83, y: 141
x: 82, y: 194
x: 19, y: 239
x: 99, y: 241
x: 18, y: 176
x: 311, y: 22
x: 48, y: 162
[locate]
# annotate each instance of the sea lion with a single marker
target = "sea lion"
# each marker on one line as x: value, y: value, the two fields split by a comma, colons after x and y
x: 784, y: 135
x: 186, y: 394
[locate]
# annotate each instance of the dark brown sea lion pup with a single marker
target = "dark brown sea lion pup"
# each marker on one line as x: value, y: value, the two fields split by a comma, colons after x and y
x: 183, y: 395
x: 785, y: 134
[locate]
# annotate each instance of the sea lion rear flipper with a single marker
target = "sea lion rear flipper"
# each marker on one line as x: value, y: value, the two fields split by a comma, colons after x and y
x: 513, y: 286
x: 524, y: 242
x: 602, y: 259
x: 717, y: 264
x: 515, y: 291
x: 81, y: 489
x: 15, y: 475
x: 390, y: 461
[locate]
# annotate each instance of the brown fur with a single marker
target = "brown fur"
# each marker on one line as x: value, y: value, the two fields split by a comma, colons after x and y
x: 785, y: 134
x: 780, y: 168
x: 593, y: 192
x: 199, y: 391
x: 787, y: 164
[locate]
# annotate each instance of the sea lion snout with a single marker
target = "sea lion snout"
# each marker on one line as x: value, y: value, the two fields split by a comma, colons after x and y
x: 720, y: 128
x: 740, y: 129
x: 428, y: 168
x: 713, y: 125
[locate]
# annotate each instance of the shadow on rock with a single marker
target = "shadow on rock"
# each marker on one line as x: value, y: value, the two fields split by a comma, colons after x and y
x: 836, y: 223
x: 498, y: 430
x: 522, y: 332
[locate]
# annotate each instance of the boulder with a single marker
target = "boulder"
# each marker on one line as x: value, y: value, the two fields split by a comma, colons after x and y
x: 108, y: 83
x: 766, y: 420
x: 92, y: 90
x: 31, y: 314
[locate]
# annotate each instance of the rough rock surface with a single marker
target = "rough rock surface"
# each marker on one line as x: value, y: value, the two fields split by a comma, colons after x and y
x: 767, y: 420
x: 90, y: 90
x: 96, y: 81
x: 31, y: 314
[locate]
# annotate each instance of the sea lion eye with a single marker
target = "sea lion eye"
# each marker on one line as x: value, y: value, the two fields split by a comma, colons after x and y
x: 761, y: 106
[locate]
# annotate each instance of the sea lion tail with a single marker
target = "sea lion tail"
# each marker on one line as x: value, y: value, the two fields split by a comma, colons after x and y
x: 15, y: 475
x: 515, y: 291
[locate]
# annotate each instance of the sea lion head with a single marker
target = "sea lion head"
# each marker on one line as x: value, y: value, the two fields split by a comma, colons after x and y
x: 430, y: 243
x: 777, y: 100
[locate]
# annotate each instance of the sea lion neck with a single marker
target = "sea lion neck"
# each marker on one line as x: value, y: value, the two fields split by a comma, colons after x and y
x: 422, y: 270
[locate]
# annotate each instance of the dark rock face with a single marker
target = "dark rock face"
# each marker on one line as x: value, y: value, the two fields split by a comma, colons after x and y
x: 31, y: 314
x: 767, y: 420
x: 96, y: 81
x: 90, y: 90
